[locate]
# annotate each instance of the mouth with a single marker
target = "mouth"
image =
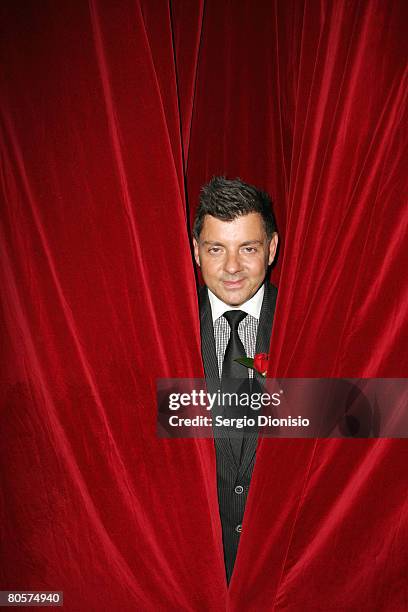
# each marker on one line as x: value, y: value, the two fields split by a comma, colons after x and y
x: 237, y: 284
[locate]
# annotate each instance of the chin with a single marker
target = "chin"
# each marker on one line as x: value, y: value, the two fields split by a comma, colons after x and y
x: 234, y: 303
x: 234, y: 300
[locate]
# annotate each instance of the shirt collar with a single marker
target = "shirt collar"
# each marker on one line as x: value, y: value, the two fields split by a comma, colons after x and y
x: 251, y: 306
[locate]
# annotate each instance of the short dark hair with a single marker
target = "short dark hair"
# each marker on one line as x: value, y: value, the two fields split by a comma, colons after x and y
x: 227, y: 199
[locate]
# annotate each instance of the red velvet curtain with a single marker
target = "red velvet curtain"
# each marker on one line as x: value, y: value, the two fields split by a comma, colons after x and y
x: 108, y: 110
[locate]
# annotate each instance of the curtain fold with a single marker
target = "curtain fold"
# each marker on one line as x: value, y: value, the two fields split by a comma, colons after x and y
x: 187, y: 23
x: 113, y: 114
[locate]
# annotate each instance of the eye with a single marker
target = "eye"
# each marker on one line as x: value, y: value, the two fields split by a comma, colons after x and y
x: 250, y: 250
x: 214, y: 250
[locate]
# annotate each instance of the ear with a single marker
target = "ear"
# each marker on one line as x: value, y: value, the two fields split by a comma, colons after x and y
x: 196, y: 253
x: 273, y: 245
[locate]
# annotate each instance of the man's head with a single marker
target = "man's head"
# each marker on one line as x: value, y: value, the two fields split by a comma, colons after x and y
x: 235, y: 238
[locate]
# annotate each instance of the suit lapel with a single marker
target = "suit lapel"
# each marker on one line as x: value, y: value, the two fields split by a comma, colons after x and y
x: 207, y: 338
x: 263, y: 337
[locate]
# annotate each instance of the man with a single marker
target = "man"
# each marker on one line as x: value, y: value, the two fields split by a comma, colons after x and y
x: 235, y: 242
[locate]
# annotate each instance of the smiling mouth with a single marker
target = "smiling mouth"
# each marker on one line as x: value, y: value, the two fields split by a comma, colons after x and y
x: 233, y: 284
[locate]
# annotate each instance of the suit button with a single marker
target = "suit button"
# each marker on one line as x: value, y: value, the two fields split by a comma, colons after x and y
x: 238, y: 489
x: 238, y: 528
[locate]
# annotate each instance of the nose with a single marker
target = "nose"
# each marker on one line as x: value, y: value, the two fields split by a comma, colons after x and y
x: 232, y: 263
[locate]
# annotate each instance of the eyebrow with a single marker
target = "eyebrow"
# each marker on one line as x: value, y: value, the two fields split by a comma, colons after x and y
x: 246, y: 243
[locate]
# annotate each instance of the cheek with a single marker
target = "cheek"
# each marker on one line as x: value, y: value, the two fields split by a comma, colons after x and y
x: 258, y: 267
x: 209, y: 267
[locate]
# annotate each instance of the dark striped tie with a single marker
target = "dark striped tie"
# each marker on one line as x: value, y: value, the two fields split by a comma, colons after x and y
x: 232, y: 377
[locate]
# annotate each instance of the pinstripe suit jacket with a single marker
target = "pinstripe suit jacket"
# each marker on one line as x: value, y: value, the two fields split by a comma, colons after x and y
x: 233, y: 480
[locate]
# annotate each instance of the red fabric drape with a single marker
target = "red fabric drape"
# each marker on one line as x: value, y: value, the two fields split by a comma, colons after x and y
x: 96, y: 274
x: 106, y: 108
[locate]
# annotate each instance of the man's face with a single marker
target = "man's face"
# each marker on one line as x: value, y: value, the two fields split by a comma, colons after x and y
x: 234, y: 256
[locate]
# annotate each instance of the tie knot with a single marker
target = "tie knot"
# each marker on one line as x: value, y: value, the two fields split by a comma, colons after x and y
x: 234, y: 318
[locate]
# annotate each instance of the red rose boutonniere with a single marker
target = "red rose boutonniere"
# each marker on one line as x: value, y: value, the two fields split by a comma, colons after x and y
x: 258, y: 363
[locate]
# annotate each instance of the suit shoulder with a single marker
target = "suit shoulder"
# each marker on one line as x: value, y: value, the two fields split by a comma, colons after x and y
x: 203, y: 298
x: 202, y: 293
x: 271, y: 289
